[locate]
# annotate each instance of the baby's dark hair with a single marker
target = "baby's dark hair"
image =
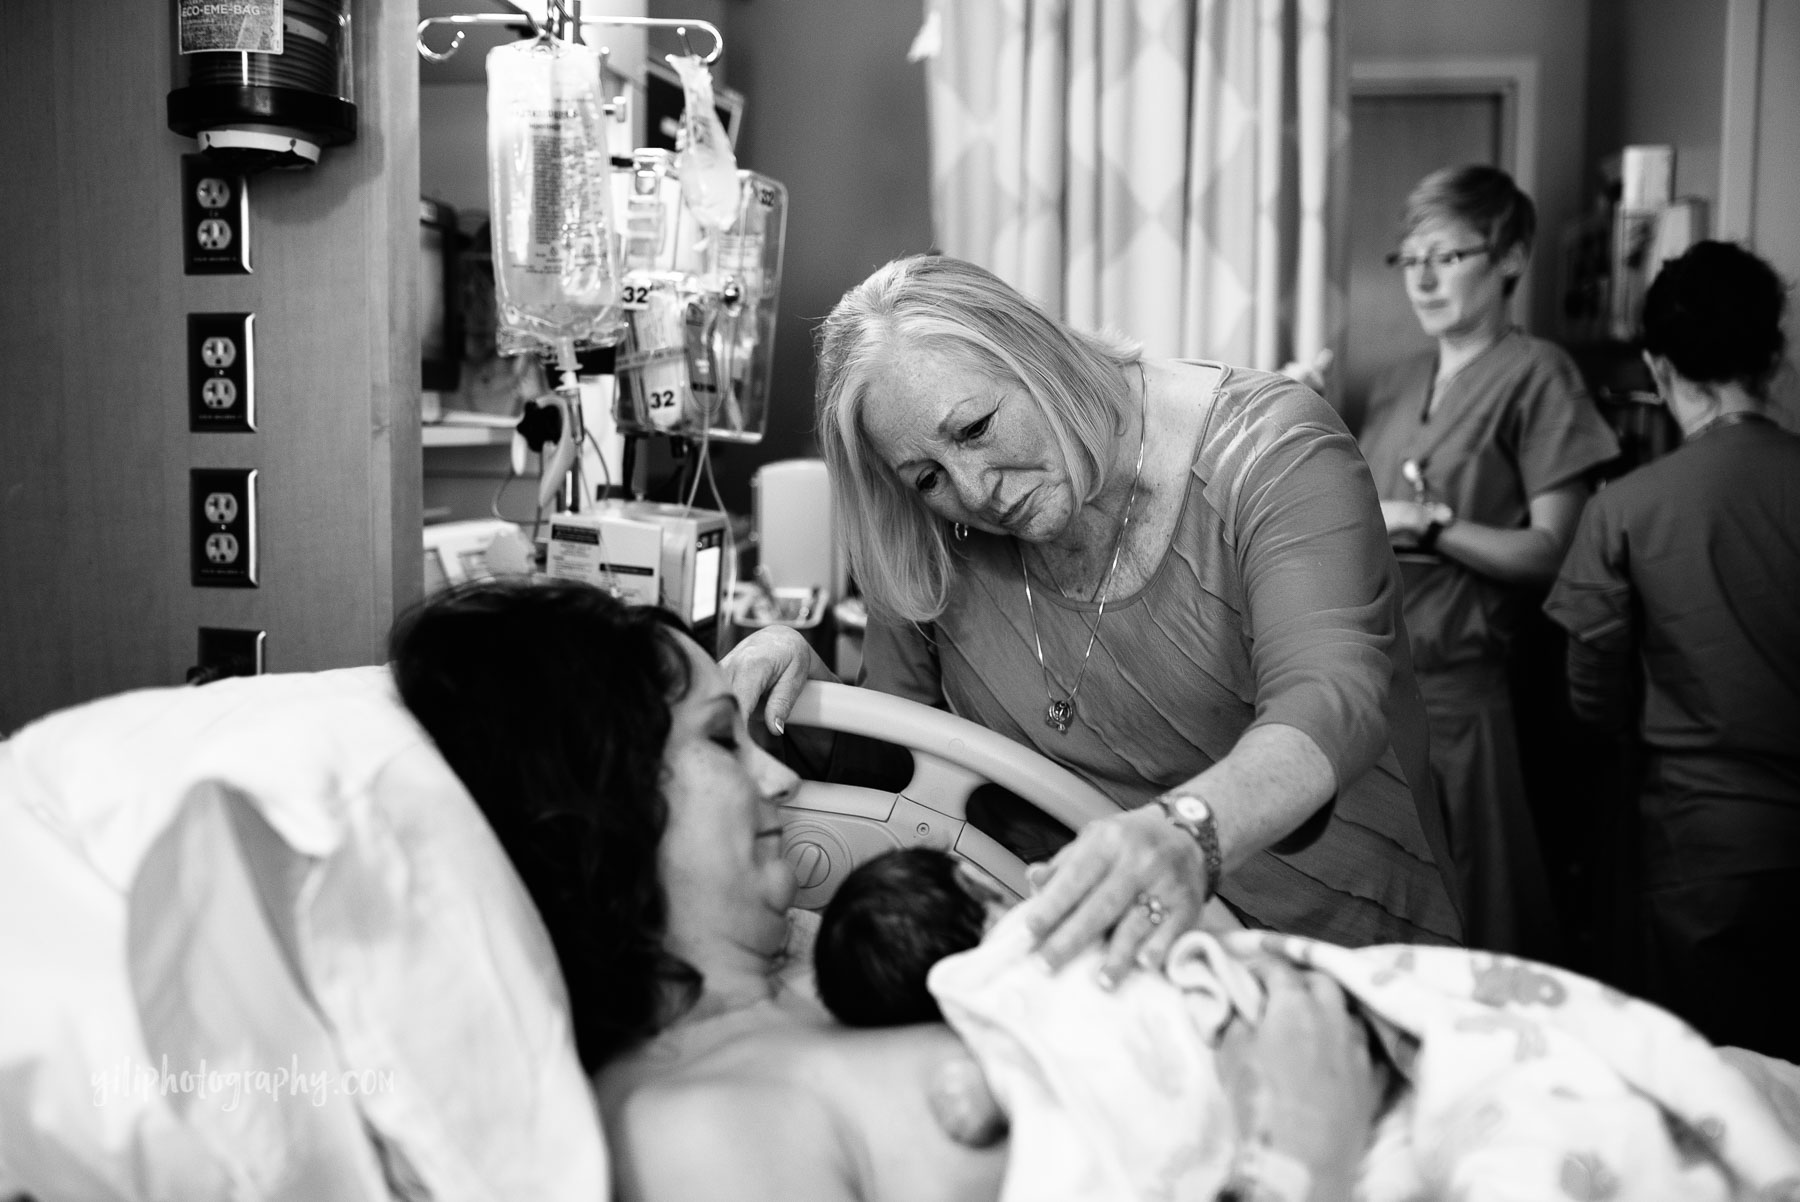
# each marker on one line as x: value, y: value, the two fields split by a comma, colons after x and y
x: 891, y: 920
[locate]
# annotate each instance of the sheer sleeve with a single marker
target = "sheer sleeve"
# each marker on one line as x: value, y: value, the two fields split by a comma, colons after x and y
x: 1319, y: 581
x: 901, y: 658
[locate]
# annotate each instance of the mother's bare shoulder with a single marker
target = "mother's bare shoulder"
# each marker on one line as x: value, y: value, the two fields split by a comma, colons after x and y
x: 727, y: 1136
x: 793, y: 1112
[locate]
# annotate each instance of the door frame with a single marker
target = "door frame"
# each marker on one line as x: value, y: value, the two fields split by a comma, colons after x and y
x: 1741, y: 112
x: 1511, y: 81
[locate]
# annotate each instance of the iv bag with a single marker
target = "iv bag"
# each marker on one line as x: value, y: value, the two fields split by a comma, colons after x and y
x: 705, y: 161
x: 697, y: 359
x: 556, y: 273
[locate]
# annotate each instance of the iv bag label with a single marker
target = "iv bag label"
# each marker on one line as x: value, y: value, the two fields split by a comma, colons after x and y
x: 253, y: 25
x: 562, y: 167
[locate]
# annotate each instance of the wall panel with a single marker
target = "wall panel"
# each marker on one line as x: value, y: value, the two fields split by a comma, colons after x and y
x: 94, y: 445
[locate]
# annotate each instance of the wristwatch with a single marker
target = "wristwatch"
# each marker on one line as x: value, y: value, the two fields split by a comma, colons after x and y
x: 1193, y: 815
x: 1441, y: 516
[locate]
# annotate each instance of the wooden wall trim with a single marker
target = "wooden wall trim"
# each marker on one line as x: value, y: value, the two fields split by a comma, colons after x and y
x: 1738, y: 125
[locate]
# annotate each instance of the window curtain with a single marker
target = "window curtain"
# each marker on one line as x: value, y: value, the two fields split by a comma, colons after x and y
x: 1174, y: 169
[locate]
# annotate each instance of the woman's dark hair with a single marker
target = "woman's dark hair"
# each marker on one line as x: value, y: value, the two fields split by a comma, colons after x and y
x: 1715, y: 314
x: 889, y: 922
x: 551, y: 701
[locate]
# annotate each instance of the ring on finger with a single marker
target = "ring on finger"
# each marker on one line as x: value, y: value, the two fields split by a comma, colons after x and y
x: 1154, y: 909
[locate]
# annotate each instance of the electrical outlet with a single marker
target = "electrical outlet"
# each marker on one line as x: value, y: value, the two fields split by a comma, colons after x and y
x: 225, y: 651
x: 221, y: 383
x: 223, y: 521
x: 215, y: 218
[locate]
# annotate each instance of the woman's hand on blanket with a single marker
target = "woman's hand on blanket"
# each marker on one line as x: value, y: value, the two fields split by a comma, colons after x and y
x: 1134, y: 880
x: 1304, y: 1083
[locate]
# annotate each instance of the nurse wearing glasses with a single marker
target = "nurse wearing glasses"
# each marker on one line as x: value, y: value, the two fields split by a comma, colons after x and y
x: 1481, y: 450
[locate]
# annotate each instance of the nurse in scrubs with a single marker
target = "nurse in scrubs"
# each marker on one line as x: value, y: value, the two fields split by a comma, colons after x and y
x: 1481, y: 450
x: 1679, y: 599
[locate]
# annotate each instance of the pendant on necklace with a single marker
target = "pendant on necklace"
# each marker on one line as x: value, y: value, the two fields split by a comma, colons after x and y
x: 1058, y: 715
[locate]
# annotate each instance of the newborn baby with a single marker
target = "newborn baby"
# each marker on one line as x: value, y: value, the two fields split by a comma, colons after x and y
x: 1510, y: 1079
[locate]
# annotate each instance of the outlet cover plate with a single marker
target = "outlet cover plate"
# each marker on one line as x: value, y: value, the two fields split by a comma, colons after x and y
x: 221, y: 356
x: 226, y: 651
x: 222, y: 516
x: 215, y: 218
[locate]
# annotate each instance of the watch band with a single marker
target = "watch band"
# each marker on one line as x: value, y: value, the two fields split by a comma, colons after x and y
x: 1193, y: 814
x: 1441, y: 517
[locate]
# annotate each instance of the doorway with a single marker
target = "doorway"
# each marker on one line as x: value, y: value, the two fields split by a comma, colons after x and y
x: 1407, y: 119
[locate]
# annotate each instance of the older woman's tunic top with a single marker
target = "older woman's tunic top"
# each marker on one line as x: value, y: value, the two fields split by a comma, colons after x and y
x: 1277, y: 602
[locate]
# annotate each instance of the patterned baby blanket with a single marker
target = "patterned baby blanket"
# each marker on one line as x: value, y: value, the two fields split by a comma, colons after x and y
x: 1521, y: 1081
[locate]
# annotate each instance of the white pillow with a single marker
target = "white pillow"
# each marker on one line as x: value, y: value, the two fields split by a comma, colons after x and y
x: 382, y: 893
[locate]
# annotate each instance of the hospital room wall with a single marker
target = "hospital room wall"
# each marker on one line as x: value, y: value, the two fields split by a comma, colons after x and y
x: 95, y: 451
x: 1776, y: 162
x: 1666, y: 72
x: 838, y: 114
x: 1552, y: 35
x: 835, y: 112
x: 1620, y: 72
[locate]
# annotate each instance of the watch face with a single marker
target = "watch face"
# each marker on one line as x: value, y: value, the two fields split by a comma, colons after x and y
x: 1192, y: 809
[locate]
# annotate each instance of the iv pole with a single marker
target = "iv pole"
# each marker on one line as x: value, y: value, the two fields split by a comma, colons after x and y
x: 563, y: 16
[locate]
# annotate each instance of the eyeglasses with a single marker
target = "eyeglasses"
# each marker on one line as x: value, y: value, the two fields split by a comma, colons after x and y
x: 1438, y: 259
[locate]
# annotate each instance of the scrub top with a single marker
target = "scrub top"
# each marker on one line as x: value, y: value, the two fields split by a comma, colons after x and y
x: 1514, y: 423
x: 1683, y: 583
x: 1689, y: 570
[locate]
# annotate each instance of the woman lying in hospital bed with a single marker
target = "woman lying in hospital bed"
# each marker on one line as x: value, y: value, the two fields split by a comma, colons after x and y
x: 611, y: 761
x: 1499, y: 1078
x: 676, y: 886
x: 644, y: 822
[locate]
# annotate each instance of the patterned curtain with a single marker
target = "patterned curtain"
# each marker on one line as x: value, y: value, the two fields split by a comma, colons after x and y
x: 1174, y: 169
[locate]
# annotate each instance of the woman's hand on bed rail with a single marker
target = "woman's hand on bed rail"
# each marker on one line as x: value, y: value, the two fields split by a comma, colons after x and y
x: 768, y: 670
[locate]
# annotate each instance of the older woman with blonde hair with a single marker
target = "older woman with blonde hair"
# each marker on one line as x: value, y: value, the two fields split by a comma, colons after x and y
x: 1169, y: 576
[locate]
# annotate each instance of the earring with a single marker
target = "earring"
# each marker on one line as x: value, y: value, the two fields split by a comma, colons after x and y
x: 959, y: 531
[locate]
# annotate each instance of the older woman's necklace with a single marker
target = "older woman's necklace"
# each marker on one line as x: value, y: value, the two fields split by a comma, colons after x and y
x: 1060, y: 712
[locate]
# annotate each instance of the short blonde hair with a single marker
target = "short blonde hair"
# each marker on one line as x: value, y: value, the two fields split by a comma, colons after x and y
x: 1482, y: 197
x: 899, y: 553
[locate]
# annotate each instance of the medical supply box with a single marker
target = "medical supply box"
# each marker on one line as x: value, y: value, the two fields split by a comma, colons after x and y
x: 650, y: 552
